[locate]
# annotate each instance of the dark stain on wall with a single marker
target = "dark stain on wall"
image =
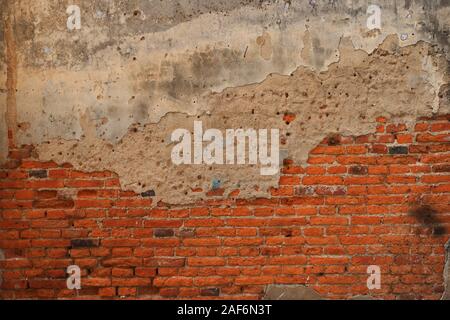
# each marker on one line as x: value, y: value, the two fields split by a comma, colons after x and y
x: 427, y: 216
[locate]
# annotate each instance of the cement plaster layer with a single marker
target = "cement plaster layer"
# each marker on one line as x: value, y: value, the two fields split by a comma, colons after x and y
x: 108, y: 96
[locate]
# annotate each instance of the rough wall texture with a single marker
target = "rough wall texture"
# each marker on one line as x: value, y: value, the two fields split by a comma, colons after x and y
x: 360, y: 201
x: 85, y: 142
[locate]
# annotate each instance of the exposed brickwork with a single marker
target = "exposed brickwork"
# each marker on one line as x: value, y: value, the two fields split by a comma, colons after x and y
x: 380, y: 199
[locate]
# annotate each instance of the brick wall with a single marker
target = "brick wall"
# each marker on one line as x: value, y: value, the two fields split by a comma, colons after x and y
x: 381, y: 199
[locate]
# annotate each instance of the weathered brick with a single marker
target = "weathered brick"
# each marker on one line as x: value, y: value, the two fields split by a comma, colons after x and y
x: 398, y: 150
x: 38, y: 174
x: 210, y: 292
x: 149, y: 193
x: 358, y: 170
x: 53, y: 203
x: 161, y: 233
x: 84, y: 243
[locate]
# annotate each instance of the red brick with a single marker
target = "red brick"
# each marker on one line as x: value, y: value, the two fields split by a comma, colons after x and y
x: 81, y: 203
x: 394, y: 128
x: 289, y: 180
x: 328, y: 221
x: 205, y: 261
x: 107, y: 292
x: 332, y: 150
x: 324, y: 180
x: 444, y: 126
x: 356, y: 150
x: 404, y: 138
x: 133, y: 203
x: 44, y: 184
x: 421, y: 127
x: 435, y: 179
x: 53, y: 203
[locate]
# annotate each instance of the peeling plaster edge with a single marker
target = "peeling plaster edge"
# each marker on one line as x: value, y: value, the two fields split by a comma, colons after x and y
x: 11, y: 76
x: 89, y: 133
x: 318, y: 72
x: 202, y: 111
x: 157, y: 199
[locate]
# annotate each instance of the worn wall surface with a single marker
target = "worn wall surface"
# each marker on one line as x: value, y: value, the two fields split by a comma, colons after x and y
x: 360, y: 201
x: 106, y: 97
x: 112, y: 92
